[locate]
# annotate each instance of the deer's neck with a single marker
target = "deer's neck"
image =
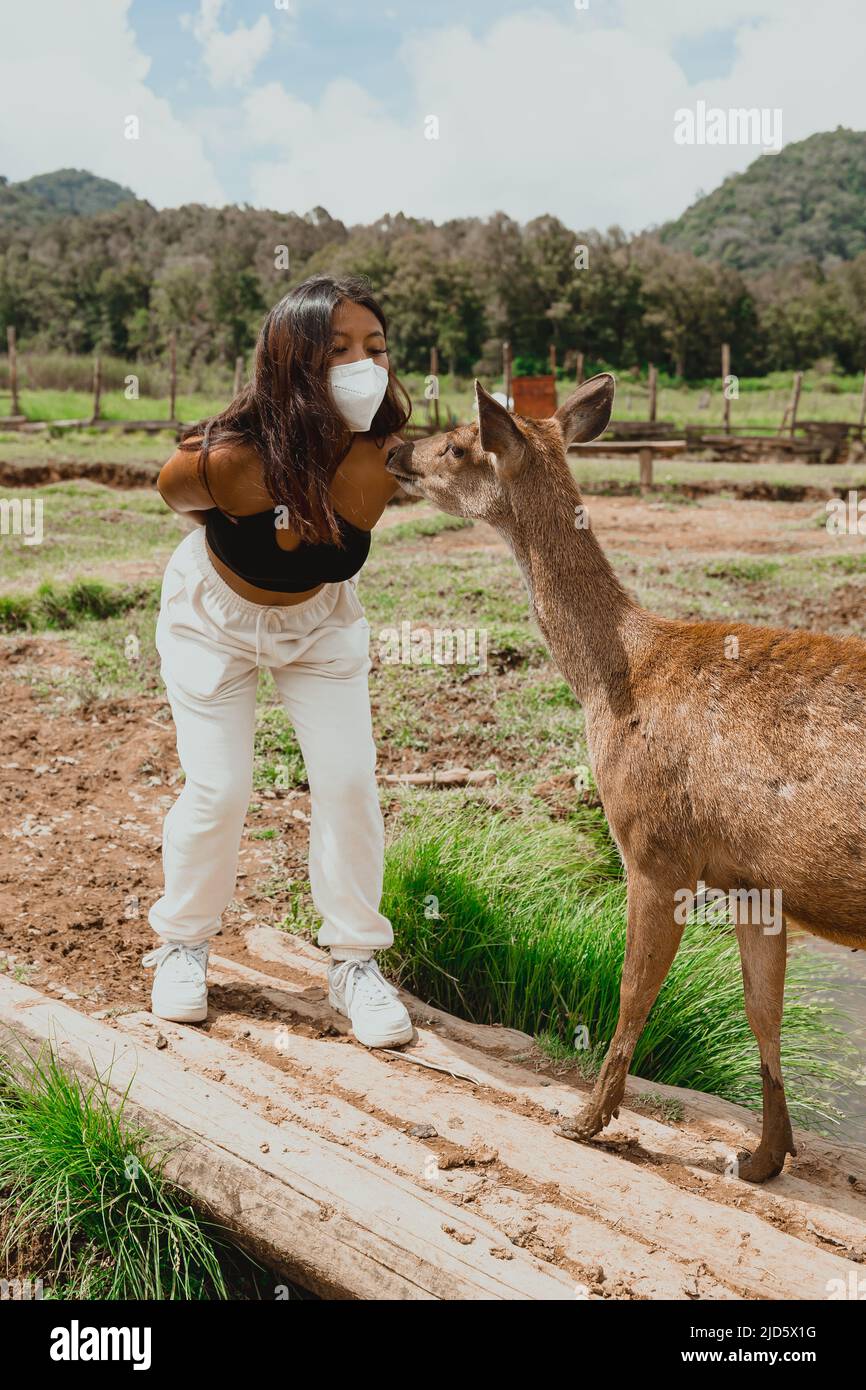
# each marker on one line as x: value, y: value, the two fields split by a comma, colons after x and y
x: 592, y: 626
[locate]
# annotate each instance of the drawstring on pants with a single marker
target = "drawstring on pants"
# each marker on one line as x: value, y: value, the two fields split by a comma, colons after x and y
x: 263, y: 623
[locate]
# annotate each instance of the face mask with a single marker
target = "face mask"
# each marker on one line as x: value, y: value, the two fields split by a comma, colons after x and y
x: 358, y: 389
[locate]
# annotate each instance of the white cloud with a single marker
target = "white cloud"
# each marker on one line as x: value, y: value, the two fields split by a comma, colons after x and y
x: 546, y: 113
x: 70, y: 82
x: 565, y: 111
x: 229, y: 58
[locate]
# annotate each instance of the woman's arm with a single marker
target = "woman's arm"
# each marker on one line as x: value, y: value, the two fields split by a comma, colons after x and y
x: 233, y: 476
x: 180, y: 486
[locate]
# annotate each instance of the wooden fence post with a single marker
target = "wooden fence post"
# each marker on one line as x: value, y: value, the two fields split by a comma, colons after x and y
x: 645, y: 461
x: 12, y: 345
x: 239, y: 376
x: 726, y: 402
x: 653, y: 392
x: 506, y: 372
x: 172, y: 376
x: 434, y: 372
x: 580, y: 372
x: 97, y: 388
x: 795, y: 401
x: 551, y: 359
x: 863, y: 406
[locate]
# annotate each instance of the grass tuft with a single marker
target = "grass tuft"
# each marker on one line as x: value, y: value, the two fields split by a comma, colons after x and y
x: 70, y: 605
x: 76, y: 1175
x: 513, y: 922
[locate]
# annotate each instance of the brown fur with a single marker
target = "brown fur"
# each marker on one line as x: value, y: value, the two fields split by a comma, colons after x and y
x: 744, y: 772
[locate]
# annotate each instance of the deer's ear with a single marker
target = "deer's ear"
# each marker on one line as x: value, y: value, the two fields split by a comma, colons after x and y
x: 586, y: 413
x: 498, y: 434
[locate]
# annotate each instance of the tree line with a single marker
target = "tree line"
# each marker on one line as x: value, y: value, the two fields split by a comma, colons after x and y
x: 122, y: 281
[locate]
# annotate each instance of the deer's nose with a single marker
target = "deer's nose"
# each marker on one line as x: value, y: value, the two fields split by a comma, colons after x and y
x: 397, y: 461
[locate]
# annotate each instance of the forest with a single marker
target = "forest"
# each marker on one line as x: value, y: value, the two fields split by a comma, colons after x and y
x: 85, y: 266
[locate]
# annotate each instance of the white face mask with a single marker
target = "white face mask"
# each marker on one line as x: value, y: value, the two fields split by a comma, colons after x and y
x: 358, y: 389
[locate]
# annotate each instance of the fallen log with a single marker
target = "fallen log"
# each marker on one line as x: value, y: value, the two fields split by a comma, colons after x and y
x: 434, y: 1171
x: 447, y: 777
x: 330, y: 1218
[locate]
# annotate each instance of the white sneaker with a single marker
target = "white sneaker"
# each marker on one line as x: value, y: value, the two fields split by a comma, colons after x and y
x: 358, y: 990
x: 179, y: 991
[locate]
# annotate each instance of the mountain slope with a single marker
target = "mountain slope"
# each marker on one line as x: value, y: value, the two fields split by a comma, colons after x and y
x: 806, y: 203
x: 63, y: 193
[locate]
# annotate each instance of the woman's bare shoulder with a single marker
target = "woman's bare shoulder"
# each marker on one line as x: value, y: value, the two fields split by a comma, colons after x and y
x: 234, y: 473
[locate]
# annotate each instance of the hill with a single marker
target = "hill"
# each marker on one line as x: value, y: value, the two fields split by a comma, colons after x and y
x: 126, y: 278
x: 63, y: 193
x: 806, y: 203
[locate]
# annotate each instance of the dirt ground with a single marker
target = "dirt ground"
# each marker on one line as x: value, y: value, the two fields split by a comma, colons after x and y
x: 84, y: 792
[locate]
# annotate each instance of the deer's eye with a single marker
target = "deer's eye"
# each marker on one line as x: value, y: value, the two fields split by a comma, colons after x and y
x: 457, y: 451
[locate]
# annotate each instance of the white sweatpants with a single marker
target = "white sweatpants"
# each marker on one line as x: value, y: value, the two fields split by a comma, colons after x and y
x: 211, y: 643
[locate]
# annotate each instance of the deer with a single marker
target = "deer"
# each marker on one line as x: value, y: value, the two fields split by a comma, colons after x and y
x: 724, y: 753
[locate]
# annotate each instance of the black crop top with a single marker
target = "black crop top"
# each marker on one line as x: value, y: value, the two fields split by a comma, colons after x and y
x: 248, y: 545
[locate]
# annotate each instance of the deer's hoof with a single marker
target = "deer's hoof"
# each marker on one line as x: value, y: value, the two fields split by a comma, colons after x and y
x: 759, y: 1166
x: 580, y: 1128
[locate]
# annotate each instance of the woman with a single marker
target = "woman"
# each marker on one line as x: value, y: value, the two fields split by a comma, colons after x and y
x: 285, y: 486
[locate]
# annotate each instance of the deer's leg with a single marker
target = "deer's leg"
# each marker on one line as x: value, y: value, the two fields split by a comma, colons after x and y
x: 652, y: 940
x: 763, y: 959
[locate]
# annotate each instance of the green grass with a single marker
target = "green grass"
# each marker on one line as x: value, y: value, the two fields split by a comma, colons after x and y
x: 80, y: 1178
x: 78, y: 405
x: 522, y: 923
x: 746, y: 571
x: 761, y: 403
x: 53, y: 606
x: 421, y: 526
x: 88, y: 446
x: 278, y: 760
x: 539, y: 945
x: 762, y: 400
x: 600, y: 475
x: 88, y: 529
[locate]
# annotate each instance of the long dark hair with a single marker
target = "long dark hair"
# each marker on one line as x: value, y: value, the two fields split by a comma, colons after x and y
x: 286, y: 411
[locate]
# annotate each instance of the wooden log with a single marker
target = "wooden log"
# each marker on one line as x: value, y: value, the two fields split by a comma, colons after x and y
x: 269, y: 945
x: 653, y: 392
x: 513, y: 1055
x: 329, y: 1217
x: 12, y: 346
x: 726, y: 372
x: 511, y: 1105
x: 446, y: 777
x: 630, y: 446
x: 527, y: 1208
x: 641, y: 429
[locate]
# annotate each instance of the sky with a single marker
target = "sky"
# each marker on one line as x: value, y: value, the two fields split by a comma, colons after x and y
x: 439, y: 110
